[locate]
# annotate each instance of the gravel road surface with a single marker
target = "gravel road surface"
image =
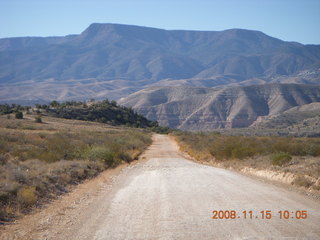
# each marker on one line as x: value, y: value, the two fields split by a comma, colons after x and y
x: 165, y: 196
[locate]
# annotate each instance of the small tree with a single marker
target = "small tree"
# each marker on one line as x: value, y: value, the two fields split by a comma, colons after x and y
x: 113, y: 103
x: 19, y: 115
x: 38, y: 119
x: 54, y: 104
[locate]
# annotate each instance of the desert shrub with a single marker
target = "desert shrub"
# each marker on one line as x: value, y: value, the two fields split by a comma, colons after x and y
x: 69, y: 146
x: 233, y: 148
x: 11, y: 126
x: 110, y: 160
x: 3, y: 215
x: 222, y: 149
x: 18, y: 175
x: 241, y: 152
x: 38, y: 119
x: 28, y: 127
x: 124, y: 156
x: 11, y: 188
x: 295, y: 146
x: 47, y: 156
x: 58, y: 146
x: 27, y: 196
x: 103, y: 154
x: 42, y: 135
x: 239, y: 147
x: 285, y: 145
x: 19, y: 115
x: 3, y: 158
x: 4, y: 197
x: 279, y: 159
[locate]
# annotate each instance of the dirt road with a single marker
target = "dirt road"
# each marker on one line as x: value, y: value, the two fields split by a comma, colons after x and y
x: 166, y: 196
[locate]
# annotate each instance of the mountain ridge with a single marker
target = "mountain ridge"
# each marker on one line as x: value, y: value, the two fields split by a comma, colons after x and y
x: 141, y: 57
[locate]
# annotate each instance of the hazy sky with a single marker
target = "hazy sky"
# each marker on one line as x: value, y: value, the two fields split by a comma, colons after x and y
x: 290, y: 20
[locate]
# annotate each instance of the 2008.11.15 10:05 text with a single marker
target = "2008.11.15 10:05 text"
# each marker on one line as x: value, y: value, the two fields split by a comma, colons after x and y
x: 263, y: 214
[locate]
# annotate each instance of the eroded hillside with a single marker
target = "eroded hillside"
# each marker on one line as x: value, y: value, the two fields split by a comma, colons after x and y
x: 191, y: 108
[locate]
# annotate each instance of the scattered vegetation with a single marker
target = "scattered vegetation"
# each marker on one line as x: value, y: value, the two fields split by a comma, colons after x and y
x: 280, y: 159
x: 39, y: 161
x: 161, y: 129
x: 297, y: 156
x: 105, y: 112
x: 13, y: 108
x: 239, y: 147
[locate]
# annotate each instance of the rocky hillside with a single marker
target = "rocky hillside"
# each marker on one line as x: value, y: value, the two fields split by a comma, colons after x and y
x: 305, y: 117
x: 113, y: 60
x: 193, y: 108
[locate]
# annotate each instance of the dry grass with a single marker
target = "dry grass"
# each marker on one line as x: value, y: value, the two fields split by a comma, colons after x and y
x: 299, y: 156
x: 302, y: 181
x: 40, y: 160
x: 239, y: 147
x: 26, y: 196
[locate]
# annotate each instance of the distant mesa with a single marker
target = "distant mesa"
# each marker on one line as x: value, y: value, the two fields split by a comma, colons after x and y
x: 114, y: 60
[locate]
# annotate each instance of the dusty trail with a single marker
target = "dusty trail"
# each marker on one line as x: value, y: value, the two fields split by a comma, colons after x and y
x: 165, y: 196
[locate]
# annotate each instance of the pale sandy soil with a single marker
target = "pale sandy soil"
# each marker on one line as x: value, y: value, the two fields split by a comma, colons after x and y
x: 165, y: 196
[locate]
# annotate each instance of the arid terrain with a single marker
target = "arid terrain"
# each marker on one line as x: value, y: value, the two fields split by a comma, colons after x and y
x: 292, y: 161
x: 115, y: 60
x: 41, y: 160
x: 166, y: 196
x: 199, y: 122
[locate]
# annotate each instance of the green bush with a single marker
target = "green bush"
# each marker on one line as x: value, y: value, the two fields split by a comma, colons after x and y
x: 232, y: 148
x: 103, y: 154
x: 38, y: 119
x: 280, y: 159
x: 124, y: 156
x: 19, y: 115
x: 241, y: 152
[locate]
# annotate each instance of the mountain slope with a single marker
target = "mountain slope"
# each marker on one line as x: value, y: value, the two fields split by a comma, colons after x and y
x: 192, y: 108
x: 86, y: 64
x: 306, y: 116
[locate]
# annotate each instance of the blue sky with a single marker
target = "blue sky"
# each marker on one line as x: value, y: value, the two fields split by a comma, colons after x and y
x: 290, y: 20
